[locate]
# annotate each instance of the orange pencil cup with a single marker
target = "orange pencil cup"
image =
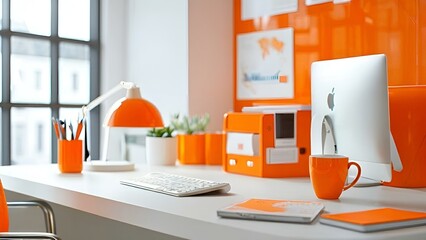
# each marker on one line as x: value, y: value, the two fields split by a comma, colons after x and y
x: 191, y: 148
x: 70, y: 156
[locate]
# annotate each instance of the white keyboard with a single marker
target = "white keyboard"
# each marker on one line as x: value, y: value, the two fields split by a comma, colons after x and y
x: 176, y: 185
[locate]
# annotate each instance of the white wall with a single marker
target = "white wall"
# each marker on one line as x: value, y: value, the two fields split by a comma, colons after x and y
x: 151, y: 49
x: 113, y: 47
x: 113, y: 57
x: 157, y: 50
x: 178, y: 51
x: 211, y: 59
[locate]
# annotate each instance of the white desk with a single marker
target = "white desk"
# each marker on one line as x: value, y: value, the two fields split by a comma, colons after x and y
x: 195, y: 217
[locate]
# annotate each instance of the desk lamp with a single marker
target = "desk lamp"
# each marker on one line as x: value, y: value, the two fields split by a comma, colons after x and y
x: 130, y: 111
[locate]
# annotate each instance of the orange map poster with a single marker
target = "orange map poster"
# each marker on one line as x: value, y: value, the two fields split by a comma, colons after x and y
x: 265, y: 65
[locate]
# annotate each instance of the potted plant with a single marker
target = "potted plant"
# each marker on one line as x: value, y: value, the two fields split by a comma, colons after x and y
x: 161, y: 146
x: 191, y: 139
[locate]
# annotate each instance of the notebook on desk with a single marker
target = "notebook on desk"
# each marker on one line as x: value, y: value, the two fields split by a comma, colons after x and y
x: 273, y: 210
x: 375, y: 219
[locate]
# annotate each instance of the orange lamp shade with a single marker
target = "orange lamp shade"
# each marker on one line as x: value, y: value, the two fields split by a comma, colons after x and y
x: 134, y: 112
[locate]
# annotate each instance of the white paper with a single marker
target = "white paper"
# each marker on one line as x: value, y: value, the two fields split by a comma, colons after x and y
x: 242, y: 143
x: 265, y: 65
x: 340, y: 1
x: 251, y: 9
x: 313, y: 2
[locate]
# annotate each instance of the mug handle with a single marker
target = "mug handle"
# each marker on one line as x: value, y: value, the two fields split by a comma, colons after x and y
x: 358, y: 175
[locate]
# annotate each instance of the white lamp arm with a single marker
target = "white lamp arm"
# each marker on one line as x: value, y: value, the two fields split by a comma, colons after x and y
x: 100, y: 99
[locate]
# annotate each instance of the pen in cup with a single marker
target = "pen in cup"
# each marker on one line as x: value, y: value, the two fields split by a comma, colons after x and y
x: 71, y: 130
x: 86, y: 148
x: 56, y: 127
x: 61, y: 126
x: 79, y: 128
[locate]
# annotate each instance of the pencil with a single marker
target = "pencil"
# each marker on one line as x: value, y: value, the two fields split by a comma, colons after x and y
x: 79, y: 128
x: 55, y: 126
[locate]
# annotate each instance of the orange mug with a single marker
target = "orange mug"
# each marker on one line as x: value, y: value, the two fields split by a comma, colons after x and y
x: 70, y: 156
x: 328, y: 175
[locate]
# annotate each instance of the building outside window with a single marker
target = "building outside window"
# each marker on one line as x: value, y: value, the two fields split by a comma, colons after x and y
x: 49, y: 68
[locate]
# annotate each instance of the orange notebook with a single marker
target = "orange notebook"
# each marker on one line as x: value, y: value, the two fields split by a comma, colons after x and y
x: 273, y: 210
x: 375, y: 219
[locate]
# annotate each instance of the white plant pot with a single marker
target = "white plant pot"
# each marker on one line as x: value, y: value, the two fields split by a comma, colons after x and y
x: 161, y: 151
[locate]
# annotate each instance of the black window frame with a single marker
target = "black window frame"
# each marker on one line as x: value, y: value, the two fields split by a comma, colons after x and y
x: 6, y: 105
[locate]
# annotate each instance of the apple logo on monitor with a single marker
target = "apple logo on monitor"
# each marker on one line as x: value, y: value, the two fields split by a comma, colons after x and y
x: 330, y: 100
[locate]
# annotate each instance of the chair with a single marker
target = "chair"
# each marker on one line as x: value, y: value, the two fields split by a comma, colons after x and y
x: 4, y: 219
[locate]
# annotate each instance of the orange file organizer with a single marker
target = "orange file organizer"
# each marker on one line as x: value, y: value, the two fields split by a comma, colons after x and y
x: 257, y: 130
x: 407, y: 122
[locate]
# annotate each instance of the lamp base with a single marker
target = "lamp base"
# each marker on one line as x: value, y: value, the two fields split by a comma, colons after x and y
x: 108, y: 166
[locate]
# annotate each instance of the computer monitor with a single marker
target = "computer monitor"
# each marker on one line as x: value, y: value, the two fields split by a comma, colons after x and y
x: 350, y: 114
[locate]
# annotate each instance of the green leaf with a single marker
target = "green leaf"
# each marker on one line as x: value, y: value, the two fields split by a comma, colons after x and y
x: 189, y: 125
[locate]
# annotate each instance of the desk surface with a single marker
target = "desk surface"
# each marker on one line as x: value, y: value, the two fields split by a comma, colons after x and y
x: 195, y: 217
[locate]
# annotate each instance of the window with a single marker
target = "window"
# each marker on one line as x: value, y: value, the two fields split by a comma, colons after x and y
x: 49, y: 68
x: 37, y: 78
x: 40, y: 136
x: 75, y: 82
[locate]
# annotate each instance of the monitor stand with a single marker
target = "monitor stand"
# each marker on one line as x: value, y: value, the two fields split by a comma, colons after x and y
x: 328, y: 140
x: 396, y: 166
x: 364, y: 182
x: 329, y: 146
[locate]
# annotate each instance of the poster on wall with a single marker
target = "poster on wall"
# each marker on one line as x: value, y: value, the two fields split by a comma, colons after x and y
x: 251, y: 9
x: 265, y: 65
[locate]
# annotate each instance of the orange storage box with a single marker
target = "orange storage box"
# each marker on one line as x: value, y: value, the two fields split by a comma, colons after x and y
x: 259, y: 127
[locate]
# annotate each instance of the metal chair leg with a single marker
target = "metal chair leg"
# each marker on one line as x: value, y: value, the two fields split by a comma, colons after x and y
x: 28, y: 235
x: 47, y: 210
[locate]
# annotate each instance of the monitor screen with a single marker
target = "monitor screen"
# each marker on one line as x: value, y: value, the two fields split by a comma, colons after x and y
x: 284, y: 125
x: 353, y: 94
x: 285, y: 122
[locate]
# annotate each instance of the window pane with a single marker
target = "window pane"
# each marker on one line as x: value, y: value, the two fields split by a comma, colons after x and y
x: 31, y: 135
x: 71, y: 114
x: 30, y: 16
x: 30, y: 71
x: 74, y: 73
x: 74, y: 19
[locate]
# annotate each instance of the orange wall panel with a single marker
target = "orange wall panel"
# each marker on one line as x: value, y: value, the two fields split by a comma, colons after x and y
x: 359, y: 27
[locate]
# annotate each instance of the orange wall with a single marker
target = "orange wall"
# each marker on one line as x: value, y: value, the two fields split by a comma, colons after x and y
x: 360, y: 27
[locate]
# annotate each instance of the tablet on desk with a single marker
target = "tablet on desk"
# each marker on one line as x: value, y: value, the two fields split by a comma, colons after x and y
x: 273, y: 210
